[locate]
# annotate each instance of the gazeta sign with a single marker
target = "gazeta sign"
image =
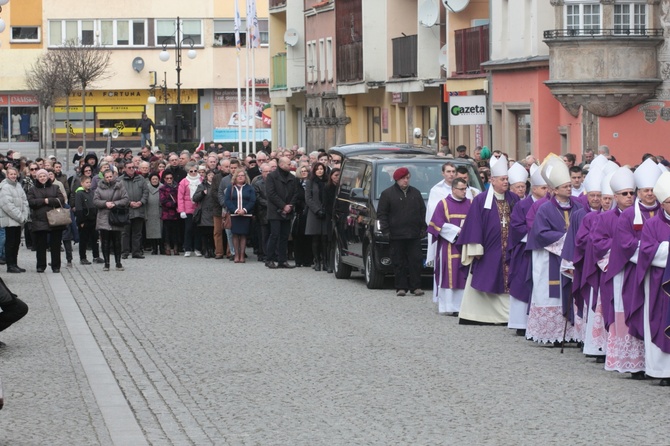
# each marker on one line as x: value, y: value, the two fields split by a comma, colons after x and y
x: 467, y: 110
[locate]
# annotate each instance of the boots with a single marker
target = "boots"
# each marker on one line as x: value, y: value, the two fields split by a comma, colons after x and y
x: 154, y: 247
x: 317, y: 265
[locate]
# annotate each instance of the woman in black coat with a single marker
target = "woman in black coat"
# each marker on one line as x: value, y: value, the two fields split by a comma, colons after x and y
x: 330, y: 194
x: 206, y: 199
x: 302, y: 244
x: 43, y: 197
x: 317, y: 225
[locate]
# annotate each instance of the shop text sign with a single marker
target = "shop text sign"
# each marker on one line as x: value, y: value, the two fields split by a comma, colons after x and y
x: 467, y: 110
x: 18, y: 99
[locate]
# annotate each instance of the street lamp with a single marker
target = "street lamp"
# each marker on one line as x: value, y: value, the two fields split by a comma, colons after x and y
x: 165, y: 56
x: 2, y: 22
x: 152, y: 100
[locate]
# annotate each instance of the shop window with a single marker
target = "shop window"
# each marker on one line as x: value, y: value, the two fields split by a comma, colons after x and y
x: 523, y: 134
x: 19, y: 124
x: 374, y: 124
x: 25, y: 34
x: 191, y: 31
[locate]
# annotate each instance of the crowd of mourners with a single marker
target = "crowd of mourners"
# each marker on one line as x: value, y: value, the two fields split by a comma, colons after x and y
x: 560, y: 252
x: 211, y: 203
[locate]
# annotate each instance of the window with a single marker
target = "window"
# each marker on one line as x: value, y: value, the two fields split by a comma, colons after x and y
x: 329, y: 58
x: 25, y: 34
x: 374, y: 122
x: 583, y: 17
x: 264, y: 31
x: 106, y: 32
x: 191, y: 31
x: 630, y: 18
x: 311, y: 61
x: 224, y: 33
x: 523, y: 134
x: 322, y: 60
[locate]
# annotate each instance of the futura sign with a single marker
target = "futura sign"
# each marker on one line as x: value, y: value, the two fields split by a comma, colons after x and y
x: 467, y: 110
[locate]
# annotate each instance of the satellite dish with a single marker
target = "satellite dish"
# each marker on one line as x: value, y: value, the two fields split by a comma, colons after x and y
x: 443, y: 57
x: 417, y: 133
x: 115, y: 133
x: 138, y: 64
x: 429, y: 13
x: 432, y: 134
x: 291, y: 37
x: 455, y: 5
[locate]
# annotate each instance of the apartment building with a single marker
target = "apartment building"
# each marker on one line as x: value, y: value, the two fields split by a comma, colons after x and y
x: 136, y: 33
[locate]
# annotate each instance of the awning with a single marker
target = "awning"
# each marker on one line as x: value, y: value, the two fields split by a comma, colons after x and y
x: 480, y: 83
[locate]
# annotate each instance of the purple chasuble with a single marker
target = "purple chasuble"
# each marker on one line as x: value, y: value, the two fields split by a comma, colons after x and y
x: 666, y: 289
x: 483, y: 227
x: 589, y: 274
x: 552, y: 221
x: 449, y: 273
x: 572, y: 253
x: 520, y: 273
x: 530, y: 216
x: 603, y: 232
x: 627, y: 241
x: 655, y: 231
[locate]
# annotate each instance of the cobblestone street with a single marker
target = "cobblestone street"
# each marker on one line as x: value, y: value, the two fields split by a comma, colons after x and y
x: 210, y: 352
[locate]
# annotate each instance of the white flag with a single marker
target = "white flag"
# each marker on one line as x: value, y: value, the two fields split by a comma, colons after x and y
x: 253, y: 32
x: 238, y: 25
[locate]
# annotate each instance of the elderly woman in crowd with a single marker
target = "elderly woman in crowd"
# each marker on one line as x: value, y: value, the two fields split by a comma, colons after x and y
x: 169, y: 214
x: 153, y: 224
x: 240, y: 201
x: 317, y: 225
x: 206, y: 198
x: 110, y: 194
x: 14, y: 213
x: 43, y: 197
x: 302, y: 244
x: 186, y: 208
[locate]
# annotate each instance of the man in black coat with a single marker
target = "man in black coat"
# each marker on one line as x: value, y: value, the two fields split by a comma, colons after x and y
x: 281, y: 189
x: 401, y: 216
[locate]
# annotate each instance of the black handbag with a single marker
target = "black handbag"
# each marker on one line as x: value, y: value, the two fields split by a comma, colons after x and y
x: 6, y: 296
x: 197, y: 215
x: 119, y: 216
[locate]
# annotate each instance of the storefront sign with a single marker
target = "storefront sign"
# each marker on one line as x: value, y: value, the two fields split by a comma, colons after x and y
x: 23, y: 99
x: 232, y: 135
x: 467, y: 110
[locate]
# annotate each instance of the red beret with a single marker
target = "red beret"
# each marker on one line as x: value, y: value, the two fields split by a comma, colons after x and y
x: 400, y: 173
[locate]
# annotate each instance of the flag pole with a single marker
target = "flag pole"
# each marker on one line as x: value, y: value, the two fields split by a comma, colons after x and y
x: 253, y: 99
x: 246, y: 94
x: 239, y: 90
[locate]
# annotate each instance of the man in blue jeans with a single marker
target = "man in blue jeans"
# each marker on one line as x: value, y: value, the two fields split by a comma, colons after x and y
x: 145, y: 127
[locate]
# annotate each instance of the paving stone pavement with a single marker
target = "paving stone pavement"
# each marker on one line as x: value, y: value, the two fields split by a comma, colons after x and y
x: 211, y: 352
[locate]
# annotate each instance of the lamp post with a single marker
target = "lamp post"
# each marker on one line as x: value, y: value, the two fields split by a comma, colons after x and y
x: 165, y: 56
x: 152, y: 100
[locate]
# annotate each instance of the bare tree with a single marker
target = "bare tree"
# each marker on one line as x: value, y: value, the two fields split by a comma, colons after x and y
x: 88, y: 64
x: 50, y: 78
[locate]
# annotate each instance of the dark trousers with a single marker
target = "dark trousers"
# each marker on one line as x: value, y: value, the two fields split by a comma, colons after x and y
x: 171, y: 233
x: 12, y: 243
x: 278, y: 241
x: 264, y: 236
x: 131, y: 239
x: 302, y: 249
x: 191, y: 234
x: 406, y: 258
x: 111, y: 240
x: 87, y: 236
x: 207, y: 236
x: 12, y: 313
x: 52, y: 240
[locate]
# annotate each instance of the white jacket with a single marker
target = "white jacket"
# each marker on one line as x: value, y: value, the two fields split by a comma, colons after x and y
x: 14, y: 210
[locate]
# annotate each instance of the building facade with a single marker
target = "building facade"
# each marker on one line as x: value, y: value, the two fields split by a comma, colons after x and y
x: 135, y: 34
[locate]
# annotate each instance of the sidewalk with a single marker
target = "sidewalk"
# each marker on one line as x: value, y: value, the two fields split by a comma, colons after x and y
x: 59, y: 390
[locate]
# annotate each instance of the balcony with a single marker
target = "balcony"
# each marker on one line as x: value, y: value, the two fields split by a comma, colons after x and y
x: 277, y: 3
x: 605, y: 71
x: 472, y: 49
x: 405, y: 57
x: 350, y: 62
x: 279, y: 71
